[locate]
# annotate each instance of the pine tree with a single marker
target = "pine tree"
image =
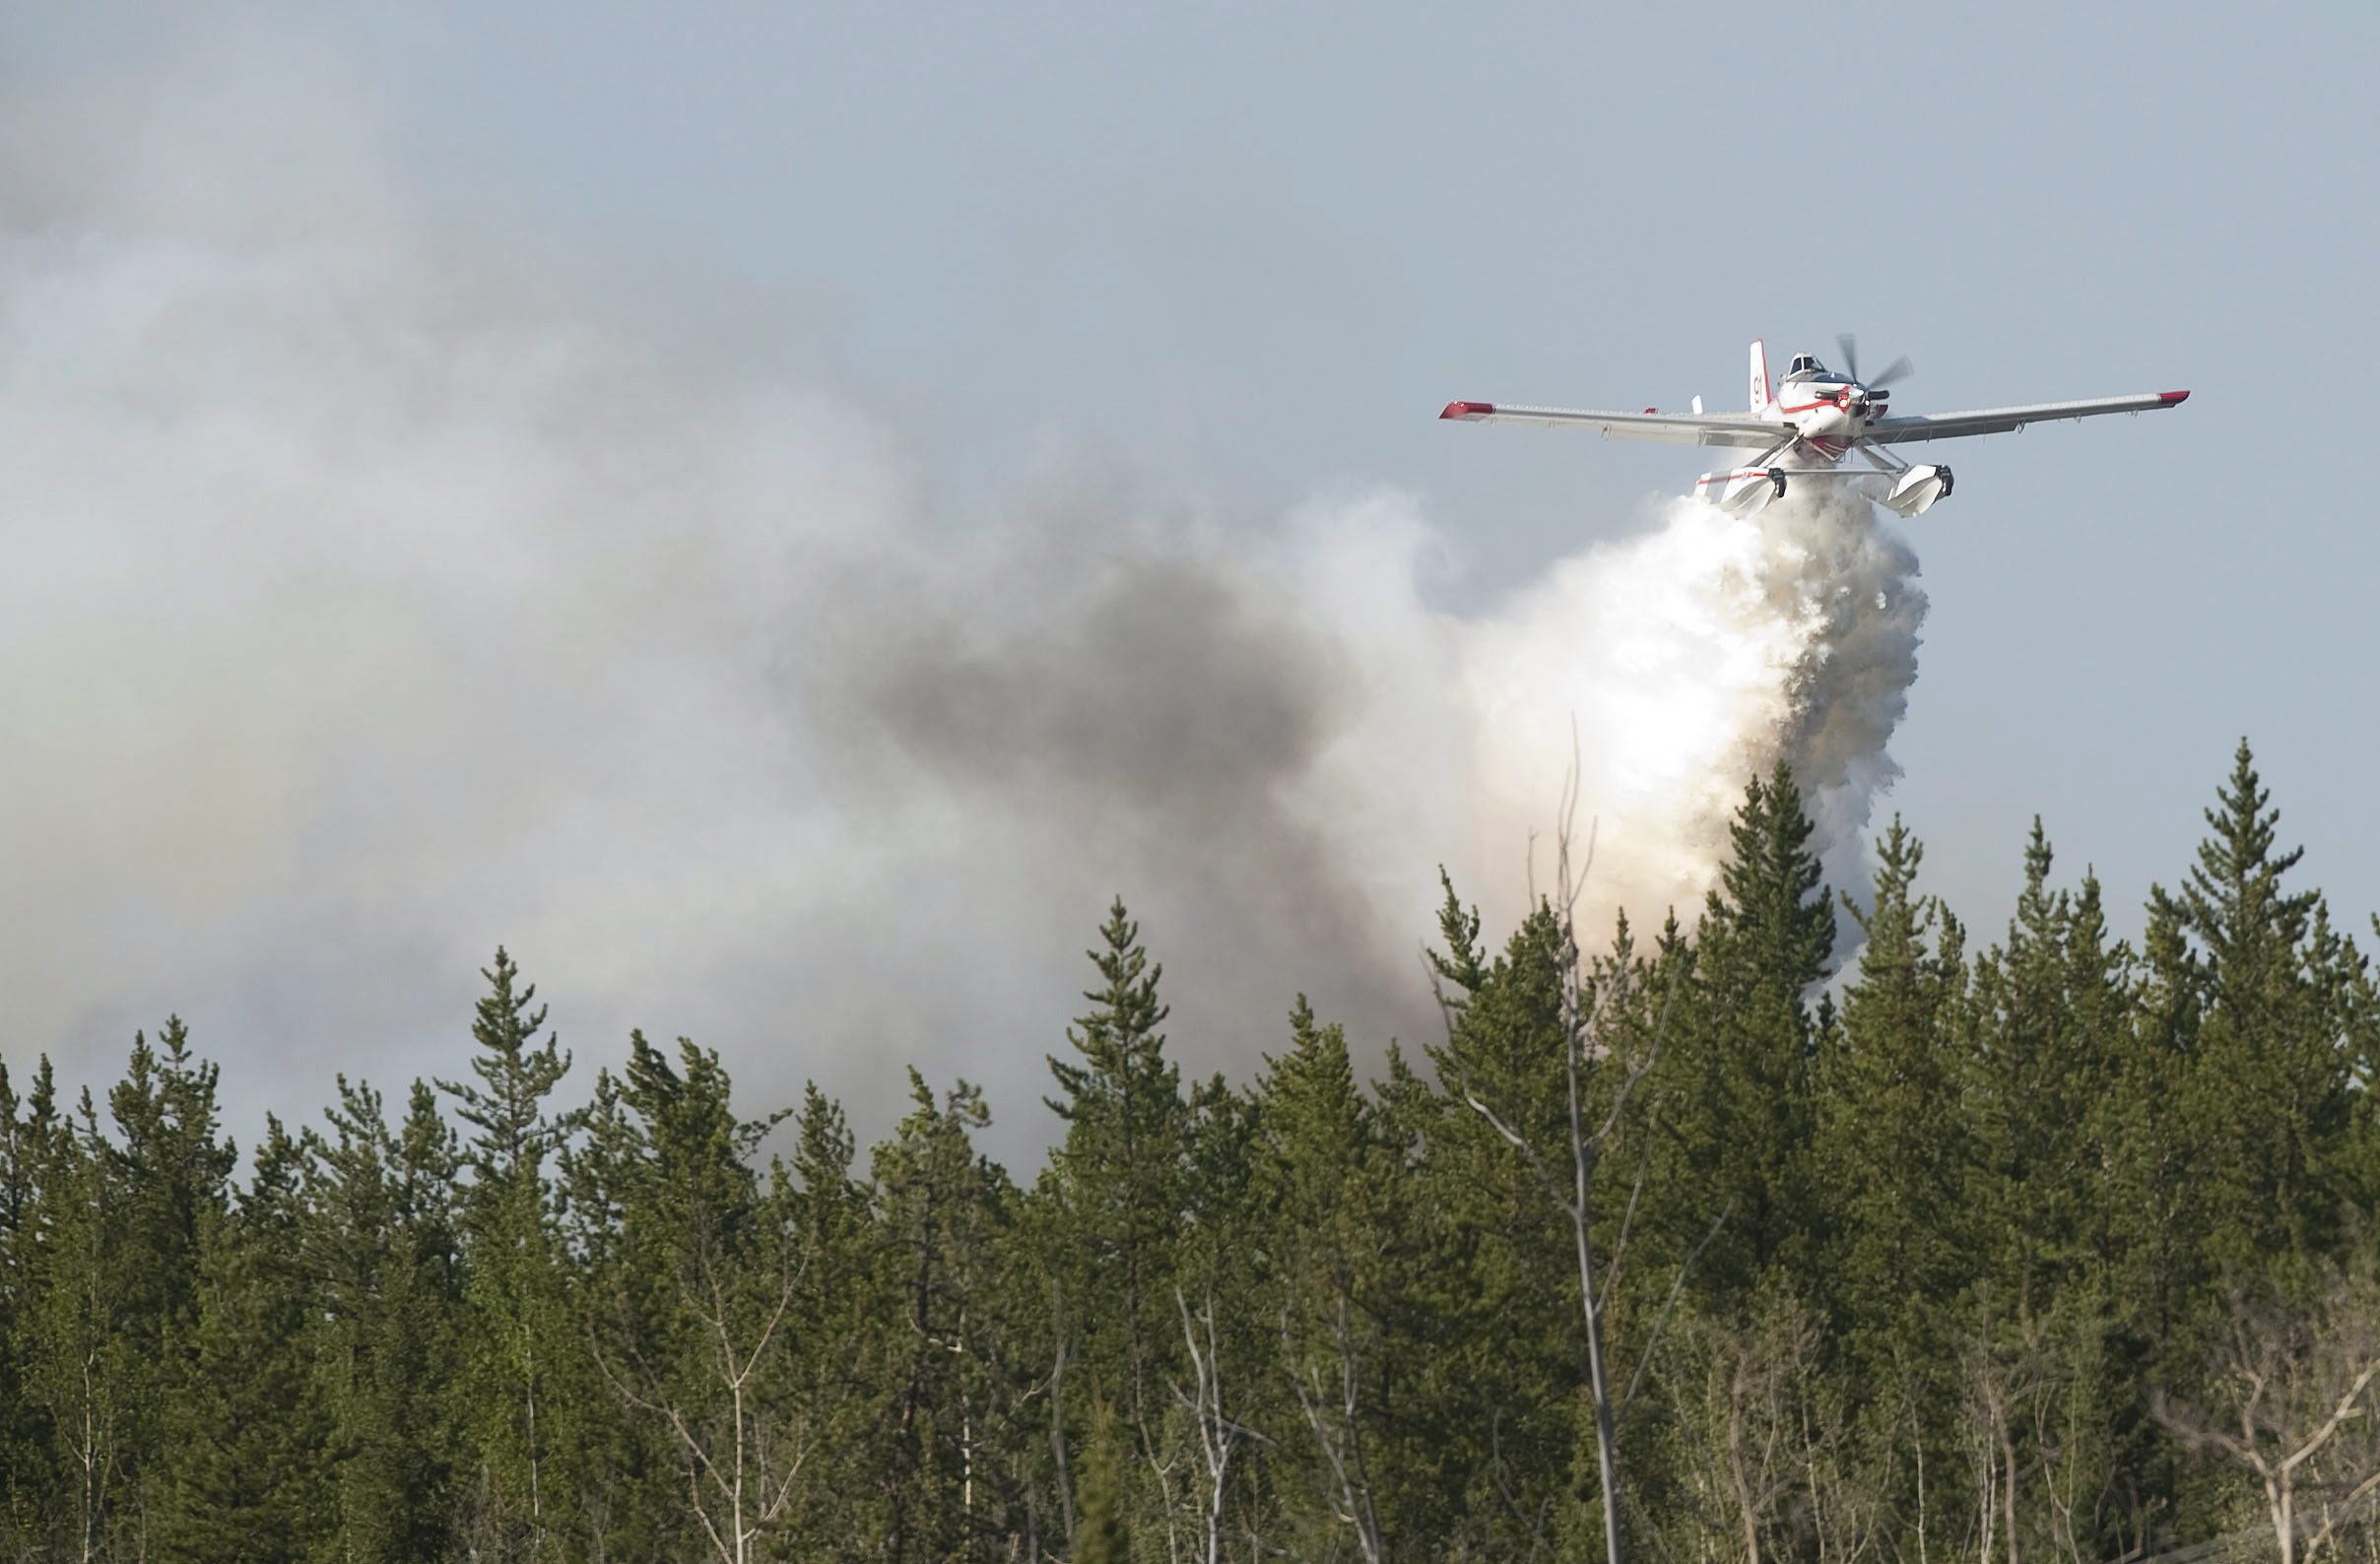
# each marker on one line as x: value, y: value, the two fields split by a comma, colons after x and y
x: 826, y: 1214
x: 1102, y: 1536
x: 1895, y: 1142
x: 117, y: 1306
x: 1740, y: 1058
x: 941, y: 1208
x: 379, y: 1238
x: 1329, y: 1188
x: 39, y: 1175
x: 1120, y: 1178
x: 516, y: 1395
x: 2269, y: 1101
x: 247, y: 1473
x: 28, y: 1152
x: 1508, y: 1364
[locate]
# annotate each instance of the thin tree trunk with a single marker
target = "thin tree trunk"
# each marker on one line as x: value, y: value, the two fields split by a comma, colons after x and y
x: 1583, y: 1154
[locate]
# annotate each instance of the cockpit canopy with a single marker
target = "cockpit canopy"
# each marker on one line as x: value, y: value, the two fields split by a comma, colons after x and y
x: 1806, y: 367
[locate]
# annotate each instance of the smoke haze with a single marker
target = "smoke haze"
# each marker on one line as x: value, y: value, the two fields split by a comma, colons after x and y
x: 374, y: 601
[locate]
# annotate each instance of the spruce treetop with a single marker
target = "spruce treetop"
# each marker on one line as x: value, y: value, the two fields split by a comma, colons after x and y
x: 1770, y: 904
x: 508, y: 1106
x: 1123, y: 1052
x: 2233, y: 900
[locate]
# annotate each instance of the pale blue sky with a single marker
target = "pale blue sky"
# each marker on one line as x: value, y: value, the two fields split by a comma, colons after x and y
x: 1244, y: 252
x: 1256, y: 246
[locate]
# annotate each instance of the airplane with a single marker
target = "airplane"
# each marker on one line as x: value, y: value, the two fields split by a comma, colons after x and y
x: 1812, y: 420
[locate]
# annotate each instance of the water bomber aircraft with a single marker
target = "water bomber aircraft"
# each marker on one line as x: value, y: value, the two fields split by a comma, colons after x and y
x: 1807, y: 427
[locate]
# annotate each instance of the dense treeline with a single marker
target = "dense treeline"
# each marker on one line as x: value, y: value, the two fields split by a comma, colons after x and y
x: 2054, y: 1249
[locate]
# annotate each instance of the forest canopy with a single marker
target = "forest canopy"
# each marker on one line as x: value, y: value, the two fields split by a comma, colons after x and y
x: 1902, y: 1245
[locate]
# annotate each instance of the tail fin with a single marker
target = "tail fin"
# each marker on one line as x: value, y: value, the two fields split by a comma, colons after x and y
x: 1759, y: 377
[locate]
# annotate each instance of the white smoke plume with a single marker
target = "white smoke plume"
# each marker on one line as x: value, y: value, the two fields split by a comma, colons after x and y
x: 371, y: 601
x: 1694, y: 658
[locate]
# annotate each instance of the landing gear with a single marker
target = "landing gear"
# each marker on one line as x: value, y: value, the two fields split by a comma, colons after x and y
x: 1776, y: 477
x: 1945, y: 474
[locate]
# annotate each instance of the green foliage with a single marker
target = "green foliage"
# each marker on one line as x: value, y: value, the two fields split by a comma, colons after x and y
x: 243, y: 1475
x: 1739, y: 1065
x: 1894, y: 1136
x: 1102, y: 1536
x: 1951, y: 1254
x: 1120, y: 1179
x: 521, y: 1392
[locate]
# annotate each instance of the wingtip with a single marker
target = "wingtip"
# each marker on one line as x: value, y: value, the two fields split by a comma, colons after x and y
x: 2171, y: 398
x: 1468, y: 409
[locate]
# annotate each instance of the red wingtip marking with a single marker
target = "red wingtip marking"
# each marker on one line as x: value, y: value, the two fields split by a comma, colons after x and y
x: 1468, y: 409
x: 2170, y: 398
x: 1652, y: 410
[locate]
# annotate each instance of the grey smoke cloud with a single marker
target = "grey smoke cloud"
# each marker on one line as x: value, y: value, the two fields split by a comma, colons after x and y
x: 372, y: 599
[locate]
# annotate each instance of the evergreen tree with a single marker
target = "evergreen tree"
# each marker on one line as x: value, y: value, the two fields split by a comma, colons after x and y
x: 1103, y: 1537
x: 837, y: 1353
x: 691, y: 1302
x: 1739, y: 1075
x: 942, y: 1209
x: 115, y: 1291
x: 516, y: 1395
x: 34, y: 1152
x: 1894, y: 1143
x: 1898, y: 1278
x: 247, y: 1473
x: 1507, y: 1364
x: 1120, y: 1178
x: 2269, y: 1101
x: 379, y: 1240
x: 1330, y: 1188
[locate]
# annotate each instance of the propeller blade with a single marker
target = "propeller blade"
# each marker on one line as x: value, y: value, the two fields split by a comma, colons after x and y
x: 1850, y: 346
x: 1898, y: 369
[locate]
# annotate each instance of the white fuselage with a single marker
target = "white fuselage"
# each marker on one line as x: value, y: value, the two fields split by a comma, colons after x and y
x: 1820, y: 414
x: 1828, y: 412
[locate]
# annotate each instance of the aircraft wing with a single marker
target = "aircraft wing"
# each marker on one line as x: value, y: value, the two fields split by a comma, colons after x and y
x: 1675, y: 427
x: 1999, y: 420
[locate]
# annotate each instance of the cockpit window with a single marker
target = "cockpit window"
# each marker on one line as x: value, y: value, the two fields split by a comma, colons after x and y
x: 1806, y: 367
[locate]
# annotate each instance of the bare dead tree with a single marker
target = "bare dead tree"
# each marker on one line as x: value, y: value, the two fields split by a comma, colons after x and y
x: 2079, y: 1481
x: 1846, y: 1512
x: 1161, y: 1460
x: 740, y: 1463
x: 2002, y: 1389
x: 1333, y: 1415
x: 1218, y: 1434
x: 2297, y: 1409
x: 1739, y: 1425
x: 1057, y: 1410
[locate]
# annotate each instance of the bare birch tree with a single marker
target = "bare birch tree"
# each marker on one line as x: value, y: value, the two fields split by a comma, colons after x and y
x: 1738, y: 1429
x: 1218, y: 1434
x: 2294, y: 1404
x: 740, y: 1453
x: 1333, y: 1413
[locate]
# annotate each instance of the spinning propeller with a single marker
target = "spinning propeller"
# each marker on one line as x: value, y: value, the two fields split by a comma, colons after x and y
x: 1898, y: 369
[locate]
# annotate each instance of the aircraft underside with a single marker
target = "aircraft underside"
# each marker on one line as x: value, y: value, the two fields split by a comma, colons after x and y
x: 1903, y: 489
